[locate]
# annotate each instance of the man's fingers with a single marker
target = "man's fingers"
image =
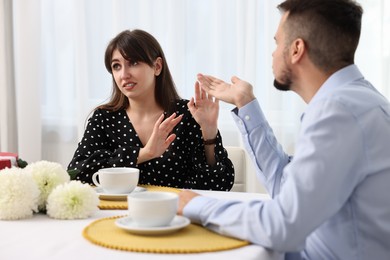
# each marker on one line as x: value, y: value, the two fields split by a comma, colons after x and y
x: 204, y: 80
x: 235, y: 79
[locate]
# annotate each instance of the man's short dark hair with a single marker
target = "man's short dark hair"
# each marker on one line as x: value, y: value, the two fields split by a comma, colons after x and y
x: 329, y: 28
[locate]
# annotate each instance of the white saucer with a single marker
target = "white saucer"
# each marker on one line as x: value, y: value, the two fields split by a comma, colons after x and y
x: 111, y: 196
x: 128, y: 224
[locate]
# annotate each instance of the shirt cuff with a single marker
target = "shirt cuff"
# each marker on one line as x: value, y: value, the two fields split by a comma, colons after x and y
x: 193, y: 210
x: 249, y: 116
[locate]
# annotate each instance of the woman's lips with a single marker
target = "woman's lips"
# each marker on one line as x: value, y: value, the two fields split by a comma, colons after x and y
x: 129, y: 86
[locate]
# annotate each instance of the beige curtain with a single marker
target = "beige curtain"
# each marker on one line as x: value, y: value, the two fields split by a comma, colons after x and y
x: 20, y: 116
x: 8, y: 126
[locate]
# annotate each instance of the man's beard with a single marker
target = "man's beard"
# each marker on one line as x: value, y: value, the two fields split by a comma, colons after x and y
x: 280, y: 86
x: 286, y: 84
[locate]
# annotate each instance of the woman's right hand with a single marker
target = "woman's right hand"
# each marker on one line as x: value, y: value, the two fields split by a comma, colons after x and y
x: 160, y: 139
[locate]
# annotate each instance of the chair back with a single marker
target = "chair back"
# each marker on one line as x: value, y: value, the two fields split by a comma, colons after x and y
x: 238, y: 157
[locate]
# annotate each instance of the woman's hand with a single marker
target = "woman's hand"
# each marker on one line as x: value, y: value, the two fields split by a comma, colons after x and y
x: 205, y: 108
x: 160, y: 139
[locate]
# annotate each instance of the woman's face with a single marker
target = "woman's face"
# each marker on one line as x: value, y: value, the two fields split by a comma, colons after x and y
x: 136, y: 80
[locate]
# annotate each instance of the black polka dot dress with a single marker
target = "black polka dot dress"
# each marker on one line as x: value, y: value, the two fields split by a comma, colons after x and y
x: 110, y: 140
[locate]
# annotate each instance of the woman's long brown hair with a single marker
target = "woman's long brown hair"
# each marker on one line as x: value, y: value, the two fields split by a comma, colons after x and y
x: 140, y: 46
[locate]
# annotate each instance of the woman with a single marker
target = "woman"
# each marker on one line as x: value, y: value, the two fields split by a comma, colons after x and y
x: 174, y: 142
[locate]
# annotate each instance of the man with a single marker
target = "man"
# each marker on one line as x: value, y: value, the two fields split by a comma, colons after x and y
x: 331, y: 200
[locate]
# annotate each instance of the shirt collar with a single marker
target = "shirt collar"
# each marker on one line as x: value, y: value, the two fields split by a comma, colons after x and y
x: 338, y: 79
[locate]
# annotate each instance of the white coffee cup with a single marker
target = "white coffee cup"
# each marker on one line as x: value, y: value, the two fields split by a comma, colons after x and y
x: 119, y: 180
x: 152, y: 208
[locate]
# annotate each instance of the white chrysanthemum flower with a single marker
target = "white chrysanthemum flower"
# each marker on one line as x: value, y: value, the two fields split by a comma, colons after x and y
x: 72, y: 200
x: 18, y: 194
x: 47, y: 175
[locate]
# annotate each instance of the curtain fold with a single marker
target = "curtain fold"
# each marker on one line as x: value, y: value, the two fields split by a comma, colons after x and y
x: 28, y: 77
x: 8, y: 125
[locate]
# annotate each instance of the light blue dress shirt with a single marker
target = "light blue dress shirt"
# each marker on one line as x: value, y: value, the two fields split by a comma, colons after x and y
x: 332, y: 200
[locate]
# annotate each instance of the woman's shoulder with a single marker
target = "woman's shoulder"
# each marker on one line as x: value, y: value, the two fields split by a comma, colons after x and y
x: 105, y: 113
x: 181, y: 105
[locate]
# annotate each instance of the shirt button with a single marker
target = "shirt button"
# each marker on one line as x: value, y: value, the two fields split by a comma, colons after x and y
x: 247, y: 118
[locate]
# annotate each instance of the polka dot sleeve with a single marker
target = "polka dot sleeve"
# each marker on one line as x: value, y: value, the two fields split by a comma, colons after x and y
x: 200, y: 174
x: 98, y: 150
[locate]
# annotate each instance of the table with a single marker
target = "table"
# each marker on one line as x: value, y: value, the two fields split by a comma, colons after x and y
x: 41, y: 237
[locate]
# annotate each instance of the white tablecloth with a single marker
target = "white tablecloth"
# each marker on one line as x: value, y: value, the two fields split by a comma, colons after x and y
x: 41, y: 237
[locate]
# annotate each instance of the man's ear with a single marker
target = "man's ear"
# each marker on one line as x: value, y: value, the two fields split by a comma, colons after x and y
x: 297, y: 50
x: 158, y: 66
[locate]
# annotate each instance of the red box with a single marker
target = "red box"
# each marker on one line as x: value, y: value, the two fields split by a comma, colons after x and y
x: 7, y: 160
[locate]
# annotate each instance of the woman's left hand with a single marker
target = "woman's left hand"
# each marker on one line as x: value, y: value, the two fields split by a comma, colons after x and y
x: 205, y: 108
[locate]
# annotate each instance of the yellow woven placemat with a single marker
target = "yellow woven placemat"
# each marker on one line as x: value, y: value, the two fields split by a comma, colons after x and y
x: 191, y: 239
x: 122, y: 204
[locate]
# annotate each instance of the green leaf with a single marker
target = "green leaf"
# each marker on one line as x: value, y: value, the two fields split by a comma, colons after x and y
x: 73, y: 173
x: 22, y: 164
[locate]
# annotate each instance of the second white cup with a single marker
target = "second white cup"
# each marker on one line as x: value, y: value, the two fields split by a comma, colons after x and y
x: 152, y: 209
x: 119, y: 180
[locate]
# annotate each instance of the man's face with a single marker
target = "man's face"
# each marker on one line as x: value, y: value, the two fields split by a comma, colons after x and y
x: 280, y: 63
